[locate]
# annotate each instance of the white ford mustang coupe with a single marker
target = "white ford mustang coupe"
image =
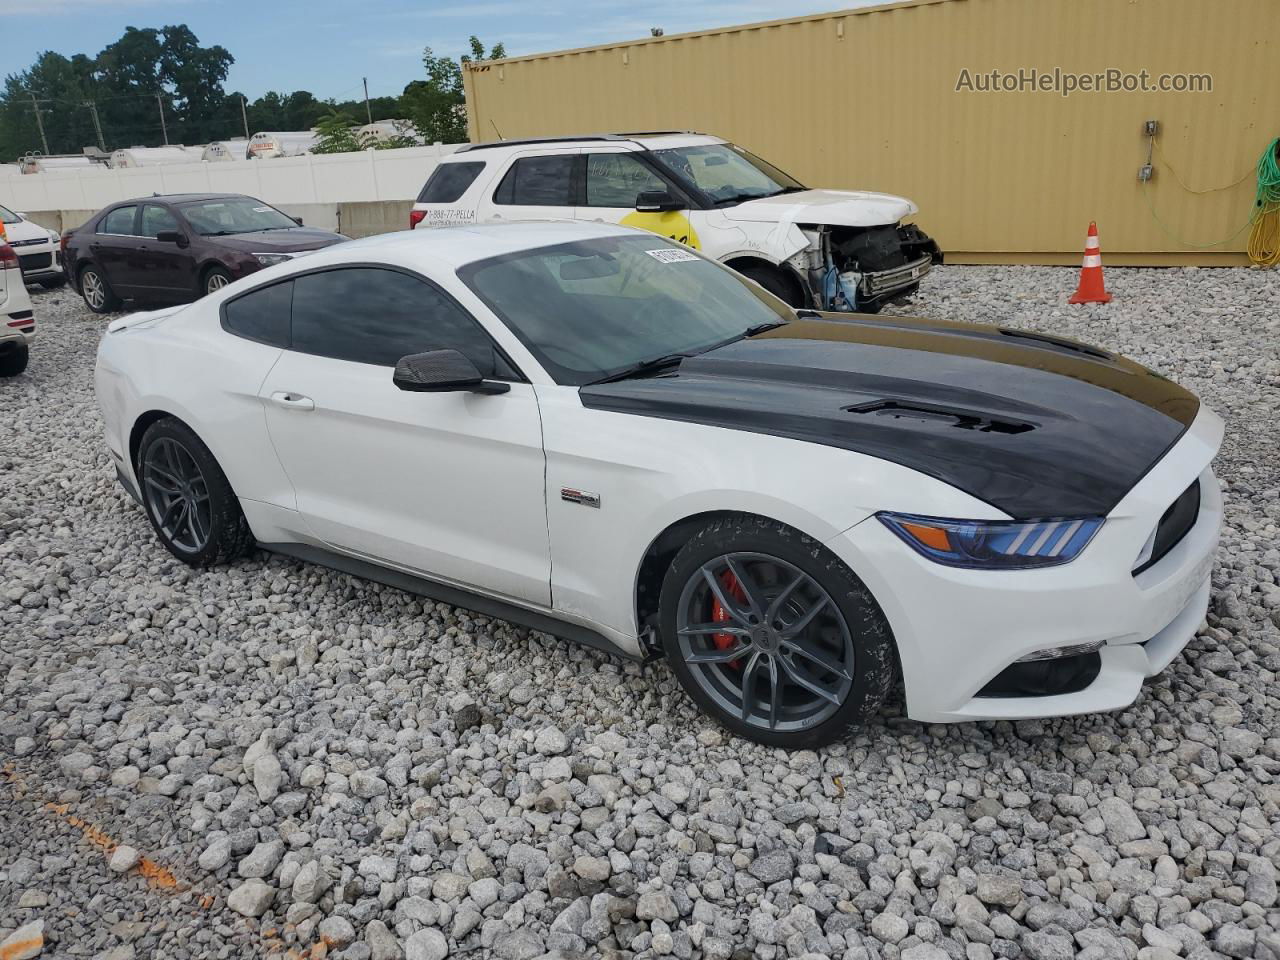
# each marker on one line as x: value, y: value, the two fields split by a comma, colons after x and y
x: 602, y: 434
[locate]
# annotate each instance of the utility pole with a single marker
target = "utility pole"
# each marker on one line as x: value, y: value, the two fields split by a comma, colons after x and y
x: 40, y: 123
x: 245, y: 117
x: 163, y: 128
x: 367, y: 109
x: 97, y: 125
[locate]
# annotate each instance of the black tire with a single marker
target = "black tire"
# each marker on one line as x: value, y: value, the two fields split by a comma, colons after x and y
x: 213, y: 280
x: 869, y: 668
x: 777, y: 283
x: 219, y: 533
x: 52, y: 283
x: 97, y: 292
x: 13, y: 360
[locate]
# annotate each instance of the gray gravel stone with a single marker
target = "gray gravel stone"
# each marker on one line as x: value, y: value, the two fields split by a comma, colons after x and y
x: 251, y: 898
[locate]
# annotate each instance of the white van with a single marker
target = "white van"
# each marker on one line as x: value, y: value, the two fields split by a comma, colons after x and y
x: 825, y: 249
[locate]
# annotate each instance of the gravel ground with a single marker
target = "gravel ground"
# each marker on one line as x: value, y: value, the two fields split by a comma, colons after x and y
x: 271, y: 757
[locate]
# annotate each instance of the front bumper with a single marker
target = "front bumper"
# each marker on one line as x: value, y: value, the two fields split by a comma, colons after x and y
x: 39, y: 260
x: 957, y: 630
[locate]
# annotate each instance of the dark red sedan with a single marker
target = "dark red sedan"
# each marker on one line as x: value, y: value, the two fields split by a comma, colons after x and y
x: 179, y: 247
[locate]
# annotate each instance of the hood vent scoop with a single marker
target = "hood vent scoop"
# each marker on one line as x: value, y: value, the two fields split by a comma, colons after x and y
x: 943, y: 416
x: 1056, y: 343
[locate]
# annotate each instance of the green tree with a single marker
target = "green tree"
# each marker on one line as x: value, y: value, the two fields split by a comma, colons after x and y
x: 123, y: 81
x: 437, y: 106
x: 60, y: 87
x: 338, y: 133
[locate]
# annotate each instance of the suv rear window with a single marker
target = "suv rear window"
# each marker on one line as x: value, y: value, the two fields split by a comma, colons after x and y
x: 450, y: 181
x: 538, y: 182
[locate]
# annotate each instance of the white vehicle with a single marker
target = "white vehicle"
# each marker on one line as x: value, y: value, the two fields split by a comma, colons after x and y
x: 603, y: 434
x: 840, y: 250
x: 17, y: 321
x: 39, y: 249
x: 266, y: 145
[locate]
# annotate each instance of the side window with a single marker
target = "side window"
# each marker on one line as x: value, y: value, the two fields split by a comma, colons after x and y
x: 368, y: 315
x: 616, y: 179
x: 156, y: 220
x: 538, y: 182
x: 119, y: 220
x: 261, y: 315
x: 450, y: 181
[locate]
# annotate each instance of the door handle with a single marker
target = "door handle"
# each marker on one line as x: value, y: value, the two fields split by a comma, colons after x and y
x: 292, y: 401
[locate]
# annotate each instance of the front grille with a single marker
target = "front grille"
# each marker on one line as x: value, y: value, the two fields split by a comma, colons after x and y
x: 1175, y: 523
x: 26, y: 243
x: 36, y: 261
x: 887, y: 280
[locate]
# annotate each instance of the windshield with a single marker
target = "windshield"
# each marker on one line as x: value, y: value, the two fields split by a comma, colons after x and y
x: 8, y: 216
x: 217, y: 218
x: 591, y: 309
x: 726, y: 173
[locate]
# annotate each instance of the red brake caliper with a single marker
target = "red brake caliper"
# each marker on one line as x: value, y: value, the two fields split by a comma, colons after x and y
x: 719, y: 614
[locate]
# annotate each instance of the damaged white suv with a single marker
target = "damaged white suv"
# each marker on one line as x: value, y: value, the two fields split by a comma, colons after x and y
x: 842, y: 250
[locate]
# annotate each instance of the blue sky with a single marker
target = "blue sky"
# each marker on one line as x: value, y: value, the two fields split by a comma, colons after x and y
x: 326, y: 46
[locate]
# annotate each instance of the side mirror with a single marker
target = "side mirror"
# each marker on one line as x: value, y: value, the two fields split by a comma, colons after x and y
x: 171, y: 236
x: 441, y: 371
x: 297, y: 220
x: 657, y: 201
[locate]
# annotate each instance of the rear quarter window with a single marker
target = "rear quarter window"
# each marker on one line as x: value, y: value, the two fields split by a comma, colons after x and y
x: 261, y: 315
x: 450, y: 181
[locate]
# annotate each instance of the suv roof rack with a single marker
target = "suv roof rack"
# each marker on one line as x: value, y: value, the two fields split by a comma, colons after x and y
x: 572, y: 139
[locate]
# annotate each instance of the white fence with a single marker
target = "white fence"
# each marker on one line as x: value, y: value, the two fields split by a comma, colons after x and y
x: 329, y: 178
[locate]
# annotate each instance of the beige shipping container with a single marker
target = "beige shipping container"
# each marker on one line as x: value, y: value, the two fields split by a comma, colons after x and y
x: 890, y: 98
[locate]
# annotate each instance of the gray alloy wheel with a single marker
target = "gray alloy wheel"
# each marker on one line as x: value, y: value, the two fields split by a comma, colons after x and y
x: 215, y: 280
x: 177, y: 495
x: 94, y: 289
x: 765, y: 642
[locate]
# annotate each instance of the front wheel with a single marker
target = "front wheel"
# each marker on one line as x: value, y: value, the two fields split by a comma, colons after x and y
x: 187, y: 498
x: 772, y: 635
x: 215, y: 280
x: 97, y: 293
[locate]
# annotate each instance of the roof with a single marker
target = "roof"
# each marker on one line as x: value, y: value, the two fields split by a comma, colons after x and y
x: 637, y: 138
x: 573, y: 138
x: 184, y: 197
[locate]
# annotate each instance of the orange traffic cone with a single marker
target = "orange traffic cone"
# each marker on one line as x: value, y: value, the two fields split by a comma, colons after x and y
x: 1091, y: 288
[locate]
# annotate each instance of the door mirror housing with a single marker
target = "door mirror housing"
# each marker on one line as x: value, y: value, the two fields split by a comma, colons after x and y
x: 442, y: 371
x: 297, y: 220
x: 171, y: 236
x: 657, y: 201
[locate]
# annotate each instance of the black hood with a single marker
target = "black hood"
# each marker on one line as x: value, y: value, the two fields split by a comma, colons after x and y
x: 1037, y: 426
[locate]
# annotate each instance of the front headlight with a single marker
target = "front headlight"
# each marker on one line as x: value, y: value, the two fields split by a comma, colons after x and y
x: 271, y: 259
x: 994, y: 544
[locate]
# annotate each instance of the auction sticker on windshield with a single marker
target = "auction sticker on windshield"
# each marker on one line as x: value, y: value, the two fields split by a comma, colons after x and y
x: 671, y: 255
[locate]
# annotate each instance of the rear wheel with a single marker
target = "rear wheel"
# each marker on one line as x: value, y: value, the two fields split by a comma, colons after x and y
x: 772, y: 635
x: 97, y: 293
x: 187, y: 498
x: 13, y: 360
